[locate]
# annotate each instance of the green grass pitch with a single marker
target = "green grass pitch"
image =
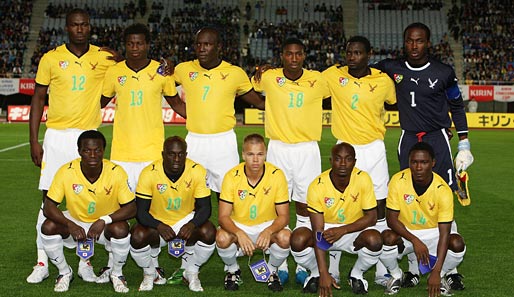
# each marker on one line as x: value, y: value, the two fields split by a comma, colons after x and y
x: 486, y: 225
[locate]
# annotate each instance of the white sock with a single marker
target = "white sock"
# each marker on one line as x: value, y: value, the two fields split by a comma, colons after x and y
x: 108, y: 249
x: 365, y: 260
x: 54, y: 245
x: 143, y: 259
x: 41, y: 255
x: 389, y: 259
x: 187, y: 257
x: 451, y: 261
x: 334, y: 257
x: 228, y: 256
x: 283, y: 266
x: 277, y: 256
x: 120, y: 251
x: 202, y: 253
x: 307, y: 259
x: 154, y: 253
x: 413, y: 263
x: 83, y: 263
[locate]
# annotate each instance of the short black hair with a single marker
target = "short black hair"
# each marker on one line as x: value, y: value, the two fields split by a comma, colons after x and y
x: 137, y: 28
x: 361, y: 39
x: 175, y: 139
x: 212, y: 30
x: 422, y: 146
x: 418, y: 26
x: 336, y: 148
x: 76, y: 11
x: 91, y: 134
x: 293, y: 40
x: 254, y: 138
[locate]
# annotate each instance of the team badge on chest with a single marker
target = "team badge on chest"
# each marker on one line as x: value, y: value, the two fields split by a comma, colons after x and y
x: 343, y: 81
x: 193, y: 75
x: 281, y: 81
x: 122, y: 80
x: 398, y: 78
x: 77, y: 188
x: 63, y: 64
x: 408, y: 198
x: 329, y: 202
x: 162, y: 188
x: 242, y: 194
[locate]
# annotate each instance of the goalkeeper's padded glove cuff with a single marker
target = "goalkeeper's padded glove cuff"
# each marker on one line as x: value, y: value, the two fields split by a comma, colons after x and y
x: 464, y: 145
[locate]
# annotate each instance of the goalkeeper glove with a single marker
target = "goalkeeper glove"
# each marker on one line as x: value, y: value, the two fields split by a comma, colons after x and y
x: 463, y: 191
x: 464, y: 157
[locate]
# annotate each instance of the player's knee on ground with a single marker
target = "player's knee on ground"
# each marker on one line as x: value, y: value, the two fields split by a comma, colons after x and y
x: 224, y: 239
x: 282, y: 238
x: 116, y: 230
x: 370, y: 239
x: 456, y: 243
x: 207, y: 233
x: 301, y: 239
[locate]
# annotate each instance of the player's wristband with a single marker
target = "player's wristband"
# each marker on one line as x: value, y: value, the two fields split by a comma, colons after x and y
x: 106, y: 219
x: 464, y: 145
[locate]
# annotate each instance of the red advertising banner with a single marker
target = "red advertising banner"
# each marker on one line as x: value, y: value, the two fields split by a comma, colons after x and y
x: 481, y: 93
x: 27, y: 86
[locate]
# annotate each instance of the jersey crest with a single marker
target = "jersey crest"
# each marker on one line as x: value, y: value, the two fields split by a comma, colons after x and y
x: 162, y: 188
x: 431, y: 84
x: 242, y: 194
x: 77, y: 188
x: 329, y: 201
x: 193, y: 75
x: 408, y: 198
x: 122, y: 80
x: 397, y: 78
x: 343, y: 81
x: 63, y: 64
x: 281, y: 81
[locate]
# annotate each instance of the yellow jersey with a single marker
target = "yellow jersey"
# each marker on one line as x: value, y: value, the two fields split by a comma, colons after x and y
x: 75, y: 85
x: 341, y: 207
x: 420, y: 212
x: 254, y: 205
x: 358, y: 104
x: 210, y: 95
x: 172, y: 201
x: 293, y: 108
x: 87, y: 201
x: 138, y: 132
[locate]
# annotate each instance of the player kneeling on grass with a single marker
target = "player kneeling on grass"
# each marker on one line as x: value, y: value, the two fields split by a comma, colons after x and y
x: 420, y: 215
x: 253, y: 214
x: 99, y: 203
x: 342, y: 208
x: 173, y: 207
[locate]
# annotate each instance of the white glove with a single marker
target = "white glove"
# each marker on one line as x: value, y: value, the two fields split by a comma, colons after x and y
x: 464, y: 157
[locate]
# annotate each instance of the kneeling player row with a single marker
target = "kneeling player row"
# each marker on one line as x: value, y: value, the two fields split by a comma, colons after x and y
x: 173, y: 208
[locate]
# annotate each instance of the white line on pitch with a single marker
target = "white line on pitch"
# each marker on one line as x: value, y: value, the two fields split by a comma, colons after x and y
x: 13, y: 147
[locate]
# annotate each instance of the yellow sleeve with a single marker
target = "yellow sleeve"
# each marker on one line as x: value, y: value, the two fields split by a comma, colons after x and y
x: 201, y: 189
x: 43, y: 75
x: 445, y: 213
x: 282, y: 194
x: 314, y: 203
x: 108, y: 89
x: 57, y: 188
x: 144, y: 185
x: 392, y: 196
x: 124, y: 194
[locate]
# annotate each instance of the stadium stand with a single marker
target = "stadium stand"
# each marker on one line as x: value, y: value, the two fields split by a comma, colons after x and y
x: 15, y: 25
x: 487, y: 30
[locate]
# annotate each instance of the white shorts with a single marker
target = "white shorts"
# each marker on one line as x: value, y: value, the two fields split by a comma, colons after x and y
x: 301, y: 163
x: 344, y: 243
x: 176, y: 227
x: 216, y: 152
x: 430, y: 237
x: 59, y: 148
x: 253, y: 231
x: 69, y: 242
x: 302, y: 221
x: 133, y: 170
x: 372, y: 158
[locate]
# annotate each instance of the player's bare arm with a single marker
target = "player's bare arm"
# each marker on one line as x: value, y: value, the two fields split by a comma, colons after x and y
x: 434, y: 280
x: 177, y: 104
x: 65, y: 226
x: 37, y: 106
x: 268, y: 235
x: 326, y: 281
x: 254, y: 99
x: 228, y: 226
x: 420, y: 249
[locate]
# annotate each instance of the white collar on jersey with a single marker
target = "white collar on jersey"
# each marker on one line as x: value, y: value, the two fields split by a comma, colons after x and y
x: 417, y: 69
